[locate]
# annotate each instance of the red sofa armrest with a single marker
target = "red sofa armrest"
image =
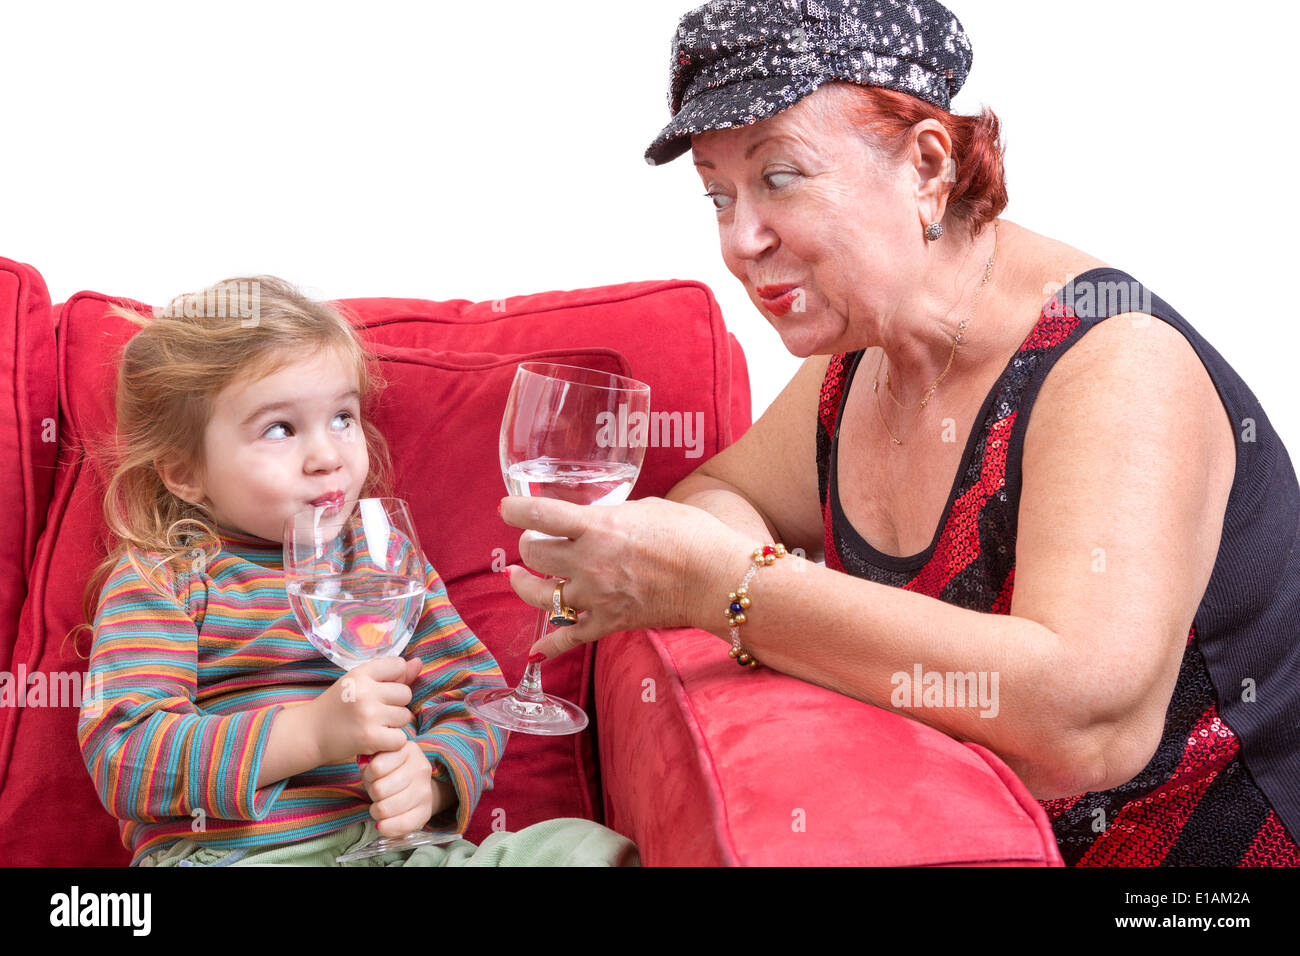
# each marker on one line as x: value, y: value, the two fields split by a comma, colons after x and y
x: 706, y: 764
x: 28, y: 418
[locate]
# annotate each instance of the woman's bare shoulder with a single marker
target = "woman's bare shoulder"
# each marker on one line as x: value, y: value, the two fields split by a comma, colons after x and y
x: 1040, y: 265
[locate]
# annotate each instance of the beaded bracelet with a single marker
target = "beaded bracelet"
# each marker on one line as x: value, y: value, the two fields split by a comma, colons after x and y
x: 738, y: 600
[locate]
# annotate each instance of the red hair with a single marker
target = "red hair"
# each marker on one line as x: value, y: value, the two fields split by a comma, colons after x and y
x: 886, y: 117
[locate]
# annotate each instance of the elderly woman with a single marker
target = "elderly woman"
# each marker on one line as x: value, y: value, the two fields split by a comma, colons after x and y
x: 1063, y: 489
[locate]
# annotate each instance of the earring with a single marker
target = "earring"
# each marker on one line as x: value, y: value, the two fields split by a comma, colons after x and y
x: 933, y: 231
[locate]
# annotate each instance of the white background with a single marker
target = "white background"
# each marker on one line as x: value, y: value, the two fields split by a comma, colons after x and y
x: 479, y: 151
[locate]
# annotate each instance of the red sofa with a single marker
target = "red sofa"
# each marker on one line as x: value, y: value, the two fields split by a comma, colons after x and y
x: 696, y: 761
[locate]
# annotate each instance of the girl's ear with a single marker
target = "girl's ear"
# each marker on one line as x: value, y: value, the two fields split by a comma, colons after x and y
x: 180, y: 481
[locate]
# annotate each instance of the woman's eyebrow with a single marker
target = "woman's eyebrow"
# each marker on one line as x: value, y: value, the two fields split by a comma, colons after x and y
x: 753, y: 147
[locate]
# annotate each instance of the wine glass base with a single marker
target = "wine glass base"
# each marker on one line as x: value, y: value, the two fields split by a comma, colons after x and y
x: 392, y: 844
x: 552, y: 717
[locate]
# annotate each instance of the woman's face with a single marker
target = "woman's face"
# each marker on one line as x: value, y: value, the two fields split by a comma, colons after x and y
x: 276, y: 443
x: 803, y: 201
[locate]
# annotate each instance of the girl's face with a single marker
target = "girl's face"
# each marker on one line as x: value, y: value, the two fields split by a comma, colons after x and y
x: 277, y: 443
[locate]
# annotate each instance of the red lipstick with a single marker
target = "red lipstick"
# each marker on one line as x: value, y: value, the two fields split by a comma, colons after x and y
x: 778, y: 299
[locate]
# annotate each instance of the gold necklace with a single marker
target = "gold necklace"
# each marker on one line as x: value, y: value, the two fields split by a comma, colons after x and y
x: 875, y: 384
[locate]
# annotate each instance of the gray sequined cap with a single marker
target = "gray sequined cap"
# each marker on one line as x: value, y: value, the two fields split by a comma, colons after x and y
x: 736, y: 62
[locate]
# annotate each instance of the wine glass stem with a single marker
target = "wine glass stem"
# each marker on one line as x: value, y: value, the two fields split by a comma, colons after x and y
x: 530, y: 685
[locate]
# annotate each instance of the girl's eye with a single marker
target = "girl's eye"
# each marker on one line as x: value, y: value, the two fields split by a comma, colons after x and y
x: 348, y: 422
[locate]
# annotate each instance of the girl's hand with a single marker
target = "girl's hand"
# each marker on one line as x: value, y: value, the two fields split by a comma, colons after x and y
x: 400, y: 784
x: 645, y: 563
x: 363, y: 711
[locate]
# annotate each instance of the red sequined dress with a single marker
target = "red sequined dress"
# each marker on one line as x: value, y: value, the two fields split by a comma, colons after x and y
x: 1223, y: 788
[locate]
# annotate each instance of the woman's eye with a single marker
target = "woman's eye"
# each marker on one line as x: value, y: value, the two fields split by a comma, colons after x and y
x: 714, y: 197
x: 769, y: 178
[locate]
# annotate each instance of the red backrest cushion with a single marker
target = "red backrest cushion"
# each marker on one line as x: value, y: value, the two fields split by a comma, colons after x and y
x: 28, y: 439
x: 449, y: 365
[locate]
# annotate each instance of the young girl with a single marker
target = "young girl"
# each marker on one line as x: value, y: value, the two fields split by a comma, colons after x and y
x: 222, y: 736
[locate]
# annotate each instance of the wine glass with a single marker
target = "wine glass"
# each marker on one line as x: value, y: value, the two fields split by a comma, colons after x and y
x: 565, y: 434
x: 354, y: 573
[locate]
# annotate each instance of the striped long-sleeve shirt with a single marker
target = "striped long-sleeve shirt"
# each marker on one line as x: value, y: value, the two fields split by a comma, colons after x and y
x: 191, y: 681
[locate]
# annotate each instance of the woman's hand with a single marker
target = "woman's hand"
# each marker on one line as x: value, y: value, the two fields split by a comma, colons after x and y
x: 644, y: 563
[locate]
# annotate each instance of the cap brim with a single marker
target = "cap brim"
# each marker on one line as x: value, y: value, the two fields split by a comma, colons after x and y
x: 736, y: 104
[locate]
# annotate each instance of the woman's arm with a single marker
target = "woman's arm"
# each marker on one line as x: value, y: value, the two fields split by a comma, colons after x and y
x: 1127, y: 468
x: 765, y: 484
x: 1085, y: 662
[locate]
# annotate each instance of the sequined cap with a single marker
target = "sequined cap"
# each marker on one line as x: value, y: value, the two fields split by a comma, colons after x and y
x: 736, y: 62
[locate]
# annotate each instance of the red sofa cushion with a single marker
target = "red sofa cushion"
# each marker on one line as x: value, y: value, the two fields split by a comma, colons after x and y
x: 703, y: 765
x: 449, y: 365
x: 28, y: 443
x: 437, y: 413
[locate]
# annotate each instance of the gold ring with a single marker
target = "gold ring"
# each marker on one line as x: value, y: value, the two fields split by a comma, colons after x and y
x: 561, y: 615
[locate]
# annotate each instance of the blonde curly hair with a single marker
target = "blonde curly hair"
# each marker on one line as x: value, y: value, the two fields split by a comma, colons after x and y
x: 169, y: 375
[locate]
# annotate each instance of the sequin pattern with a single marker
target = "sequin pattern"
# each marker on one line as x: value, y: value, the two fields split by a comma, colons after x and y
x: 1194, y: 803
x: 736, y: 62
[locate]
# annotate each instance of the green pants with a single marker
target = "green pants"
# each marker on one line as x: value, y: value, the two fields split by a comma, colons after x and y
x: 565, y: 841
